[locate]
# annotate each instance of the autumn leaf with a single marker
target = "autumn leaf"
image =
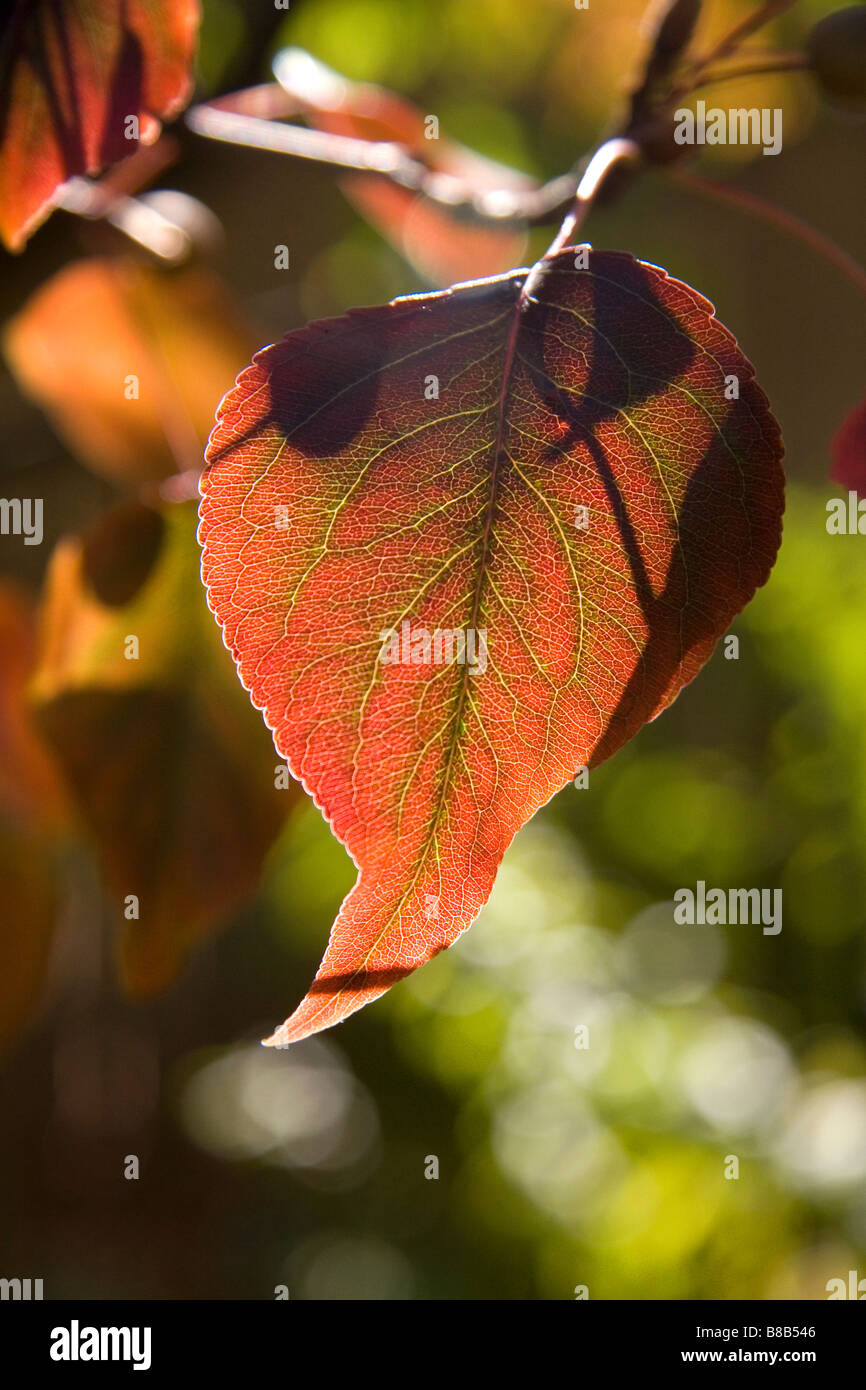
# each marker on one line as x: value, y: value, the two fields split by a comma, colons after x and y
x: 129, y: 362
x: 439, y: 245
x: 574, y: 470
x: 82, y: 83
x: 170, y: 769
x: 119, y: 550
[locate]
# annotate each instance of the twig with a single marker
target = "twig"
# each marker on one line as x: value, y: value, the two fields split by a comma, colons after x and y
x: 363, y: 156
x: 135, y: 218
x: 762, y: 67
x: 730, y: 43
x: 384, y: 158
x: 615, y: 151
x: 748, y: 26
x: 674, y: 28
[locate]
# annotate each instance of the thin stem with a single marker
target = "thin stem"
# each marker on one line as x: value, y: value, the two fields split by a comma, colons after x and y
x: 364, y: 156
x: 615, y: 151
x: 732, y: 40
x: 792, y: 62
x: 231, y: 121
x: 777, y: 217
x: 136, y: 219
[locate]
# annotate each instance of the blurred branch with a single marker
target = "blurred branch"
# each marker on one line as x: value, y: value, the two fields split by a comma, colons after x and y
x: 230, y: 122
x: 673, y: 34
x: 142, y: 223
x: 731, y: 41
x: 776, y: 217
x: 763, y: 66
x: 168, y: 224
x: 255, y: 118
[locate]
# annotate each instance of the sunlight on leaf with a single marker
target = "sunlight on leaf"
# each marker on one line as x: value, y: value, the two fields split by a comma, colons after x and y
x: 573, y: 470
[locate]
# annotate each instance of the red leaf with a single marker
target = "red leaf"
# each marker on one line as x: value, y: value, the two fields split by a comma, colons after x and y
x: 71, y: 73
x: 849, y: 451
x: 602, y: 388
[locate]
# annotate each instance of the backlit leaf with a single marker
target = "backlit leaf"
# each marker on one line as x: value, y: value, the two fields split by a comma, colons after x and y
x: 597, y: 488
x: 72, y: 73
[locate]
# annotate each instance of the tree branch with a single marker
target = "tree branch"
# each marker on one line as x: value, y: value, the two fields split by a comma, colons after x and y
x: 229, y: 121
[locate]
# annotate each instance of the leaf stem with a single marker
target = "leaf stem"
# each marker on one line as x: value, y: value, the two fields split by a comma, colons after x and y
x: 615, y: 151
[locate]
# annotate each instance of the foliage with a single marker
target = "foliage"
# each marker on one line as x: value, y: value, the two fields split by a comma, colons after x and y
x: 168, y: 884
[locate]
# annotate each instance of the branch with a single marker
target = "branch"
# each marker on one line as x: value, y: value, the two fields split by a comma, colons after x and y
x: 764, y: 66
x: 731, y: 42
x: 254, y: 118
x: 611, y: 153
x: 229, y: 122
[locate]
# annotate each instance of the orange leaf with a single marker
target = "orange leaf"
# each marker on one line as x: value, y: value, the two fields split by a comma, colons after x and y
x: 447, y: 601
x: 129, y: 362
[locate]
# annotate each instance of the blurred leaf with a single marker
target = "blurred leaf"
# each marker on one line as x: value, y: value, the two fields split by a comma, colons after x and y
x: 30, y: 793
x: 172, y: 771
x: 849, y: 451
x: 604, y: 391
x: 72, y: 75
x: 102, y: 330
x: 119, y: 551
x: 443, y: 248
